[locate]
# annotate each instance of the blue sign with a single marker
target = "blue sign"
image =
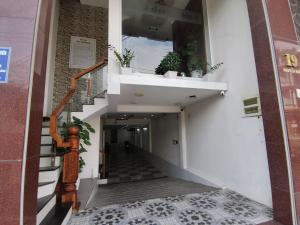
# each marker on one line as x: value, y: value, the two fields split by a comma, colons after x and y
x: 4, y: 64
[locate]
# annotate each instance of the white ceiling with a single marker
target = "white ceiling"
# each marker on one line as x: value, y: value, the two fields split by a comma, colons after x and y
x: 158, y: 90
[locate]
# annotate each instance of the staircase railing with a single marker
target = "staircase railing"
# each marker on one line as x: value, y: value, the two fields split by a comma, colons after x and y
x: 71, y: 158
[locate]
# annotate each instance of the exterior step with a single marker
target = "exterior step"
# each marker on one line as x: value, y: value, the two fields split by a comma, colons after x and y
x: 44, y: 205
x: 59, y: 215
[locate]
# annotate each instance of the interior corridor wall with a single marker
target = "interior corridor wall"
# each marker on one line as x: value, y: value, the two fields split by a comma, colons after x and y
x: 223, y: 146
x: 165, y: 130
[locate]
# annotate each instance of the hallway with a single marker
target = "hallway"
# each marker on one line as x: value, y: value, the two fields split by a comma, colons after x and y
x: 169, y: 201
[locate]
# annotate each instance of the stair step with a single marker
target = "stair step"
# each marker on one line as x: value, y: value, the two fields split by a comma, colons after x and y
x: 48, y: 168
x: 46, y: 118
x: 44, y: 206
x: 46, y: 139
x: 47, y: 144
x: 46, y: 160
x: 50, y: 155
x: 59, y: 214
x: 45, y: 149
x: 43, y: 201
x: 45, y: 131
x: 45, y: 183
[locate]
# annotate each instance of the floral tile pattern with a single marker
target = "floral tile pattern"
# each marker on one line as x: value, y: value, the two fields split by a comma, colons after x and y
x: 220, y: 207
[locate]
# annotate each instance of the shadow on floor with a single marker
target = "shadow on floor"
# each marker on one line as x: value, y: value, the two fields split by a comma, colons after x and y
x: 143, y: 190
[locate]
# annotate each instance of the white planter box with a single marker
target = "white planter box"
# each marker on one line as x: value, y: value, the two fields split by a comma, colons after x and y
x: 171, y: 74
x: 126, y: 70
x: 197, y: 74
x: 193, y: 78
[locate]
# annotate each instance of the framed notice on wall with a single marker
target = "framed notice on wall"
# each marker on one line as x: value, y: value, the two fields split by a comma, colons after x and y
x: 82, y: 52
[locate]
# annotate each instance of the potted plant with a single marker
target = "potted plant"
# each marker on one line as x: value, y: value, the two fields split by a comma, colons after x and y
x: 200, y: 69
x: 196, y: 68
x: 124, y: 60
x: 191, y: 53
x: 169, y: 65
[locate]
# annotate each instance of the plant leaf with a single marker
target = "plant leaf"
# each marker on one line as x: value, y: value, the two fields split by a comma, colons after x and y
x: 87, y: 142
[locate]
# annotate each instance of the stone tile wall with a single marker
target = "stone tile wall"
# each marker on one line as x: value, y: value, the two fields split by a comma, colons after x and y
x: 83, y: 21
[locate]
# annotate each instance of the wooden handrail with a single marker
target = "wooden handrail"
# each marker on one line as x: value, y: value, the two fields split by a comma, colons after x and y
x: 60, y: 142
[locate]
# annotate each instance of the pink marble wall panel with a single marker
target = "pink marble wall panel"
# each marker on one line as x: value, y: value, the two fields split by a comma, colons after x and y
x: 36, y: 114
x: 271, y: 115
x: 17, y: 24
x: 285, y: 42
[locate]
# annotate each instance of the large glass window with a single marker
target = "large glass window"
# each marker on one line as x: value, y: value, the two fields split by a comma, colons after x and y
x: 152, y: 28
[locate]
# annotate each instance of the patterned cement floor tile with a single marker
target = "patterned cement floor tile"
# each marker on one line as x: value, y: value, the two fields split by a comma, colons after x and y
x: 220, y: 207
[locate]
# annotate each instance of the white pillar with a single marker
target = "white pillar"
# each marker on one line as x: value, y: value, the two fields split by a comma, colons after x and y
x: 182, y: 137
x: 114, y: 32
x: 49, y: 81
x: 115, y: 40
x: 150, y: 135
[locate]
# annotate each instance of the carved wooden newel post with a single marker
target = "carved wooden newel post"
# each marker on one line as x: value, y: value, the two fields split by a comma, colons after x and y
x: 71, y: 168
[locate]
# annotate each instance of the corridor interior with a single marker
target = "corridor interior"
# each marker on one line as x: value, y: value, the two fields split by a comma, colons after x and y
x: 140, y: 191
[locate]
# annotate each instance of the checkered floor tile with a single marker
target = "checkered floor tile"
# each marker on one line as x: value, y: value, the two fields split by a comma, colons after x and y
x: 128, y: 166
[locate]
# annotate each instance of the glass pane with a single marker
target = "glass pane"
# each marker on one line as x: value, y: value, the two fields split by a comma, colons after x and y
x: 152, y: 28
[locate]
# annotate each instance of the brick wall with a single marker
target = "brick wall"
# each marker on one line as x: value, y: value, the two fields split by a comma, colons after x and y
x: 83, y: 21
x: 295, y: 6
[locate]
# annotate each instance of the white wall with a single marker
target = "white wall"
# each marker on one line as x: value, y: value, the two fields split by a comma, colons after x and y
x: 163, y: 131
x: 51, y: 59
x: 222, y: 146
x: 91, y: 157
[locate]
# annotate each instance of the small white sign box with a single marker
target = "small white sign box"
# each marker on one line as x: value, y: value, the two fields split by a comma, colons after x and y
x: 82, y: 52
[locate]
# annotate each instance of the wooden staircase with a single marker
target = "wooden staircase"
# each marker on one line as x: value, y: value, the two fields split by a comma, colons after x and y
x: 58, y: 172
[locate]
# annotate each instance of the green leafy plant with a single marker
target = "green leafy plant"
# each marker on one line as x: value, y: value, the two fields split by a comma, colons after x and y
x: 171, y: 62
x: 125, y: 58
x: 194, y: 64
x: 84, y: 136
